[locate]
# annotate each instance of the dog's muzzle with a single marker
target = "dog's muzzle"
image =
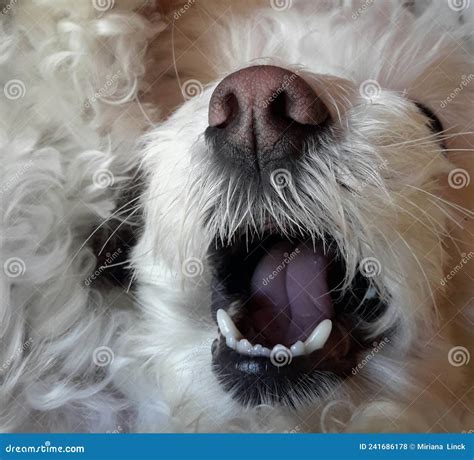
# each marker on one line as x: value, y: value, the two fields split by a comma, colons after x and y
x: 289, y: 324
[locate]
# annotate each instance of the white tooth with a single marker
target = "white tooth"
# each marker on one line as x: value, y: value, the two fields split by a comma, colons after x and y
x: 244, y: 347
x: 226, y: 325
x: 257, y: 350
x: 231, y: 342
x: 319, y: 336
x: 297, y: 349
x: 266, y: 352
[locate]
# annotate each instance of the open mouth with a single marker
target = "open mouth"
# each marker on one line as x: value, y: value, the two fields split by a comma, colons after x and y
x: 288, y: 323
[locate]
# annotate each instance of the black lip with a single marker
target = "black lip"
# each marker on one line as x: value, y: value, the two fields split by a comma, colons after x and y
x: 256, y: 380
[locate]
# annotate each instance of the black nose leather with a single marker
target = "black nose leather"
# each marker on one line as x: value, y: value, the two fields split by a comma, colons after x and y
x: 263, y: 113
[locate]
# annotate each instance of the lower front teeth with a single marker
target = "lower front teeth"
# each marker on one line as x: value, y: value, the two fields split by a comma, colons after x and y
x: 315, y: 341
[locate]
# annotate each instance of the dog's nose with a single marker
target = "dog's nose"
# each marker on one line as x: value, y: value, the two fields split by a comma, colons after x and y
x: 257, y: 109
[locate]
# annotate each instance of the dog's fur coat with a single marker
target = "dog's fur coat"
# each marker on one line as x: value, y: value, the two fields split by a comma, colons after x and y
x: 60, y: 142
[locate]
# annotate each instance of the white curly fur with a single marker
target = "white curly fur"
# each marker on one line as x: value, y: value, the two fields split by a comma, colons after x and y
x: 69, y: 127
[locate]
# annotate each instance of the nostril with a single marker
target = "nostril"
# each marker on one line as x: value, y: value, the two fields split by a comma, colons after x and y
x: 279, y: 107
x: 223, y: 109
x: 304, y: 109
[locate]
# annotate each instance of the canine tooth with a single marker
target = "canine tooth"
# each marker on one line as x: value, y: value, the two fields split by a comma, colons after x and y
x: 319, y: 336
x: 244, y: 347
x: 231, y: 342
x: 297, y: 349
x: 226, y: 325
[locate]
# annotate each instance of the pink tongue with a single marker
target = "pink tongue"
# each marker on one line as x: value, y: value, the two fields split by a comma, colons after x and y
x: 290, y: 293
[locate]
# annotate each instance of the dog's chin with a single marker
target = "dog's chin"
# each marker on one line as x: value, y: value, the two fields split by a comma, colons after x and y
x: 290, y: 322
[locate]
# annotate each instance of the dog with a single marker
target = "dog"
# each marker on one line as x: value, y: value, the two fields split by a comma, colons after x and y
x: 290, y: 268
